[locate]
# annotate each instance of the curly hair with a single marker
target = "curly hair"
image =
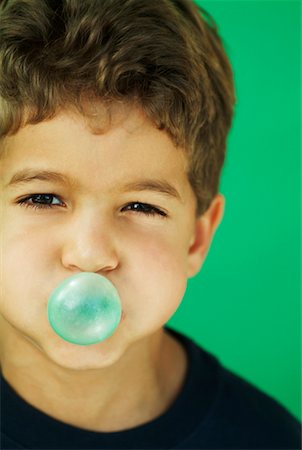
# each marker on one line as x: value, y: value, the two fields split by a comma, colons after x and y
x: 165, y: 56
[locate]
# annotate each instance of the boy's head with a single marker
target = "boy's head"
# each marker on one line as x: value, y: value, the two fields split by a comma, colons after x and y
x: 114, y: 117
x: 164, y: 56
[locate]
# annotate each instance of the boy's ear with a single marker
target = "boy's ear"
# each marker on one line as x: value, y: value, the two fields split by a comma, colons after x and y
x: 205, y: 227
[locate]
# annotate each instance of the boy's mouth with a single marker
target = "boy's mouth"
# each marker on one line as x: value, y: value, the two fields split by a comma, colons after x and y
x: 84, y: 309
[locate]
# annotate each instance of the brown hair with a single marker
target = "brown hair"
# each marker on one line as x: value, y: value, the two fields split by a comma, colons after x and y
x: 166, y: 56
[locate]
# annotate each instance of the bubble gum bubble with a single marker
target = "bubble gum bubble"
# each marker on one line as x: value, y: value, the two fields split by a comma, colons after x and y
x: 84, y: 309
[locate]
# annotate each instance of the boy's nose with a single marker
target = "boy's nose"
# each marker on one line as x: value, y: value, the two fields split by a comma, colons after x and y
x: 89, y: 246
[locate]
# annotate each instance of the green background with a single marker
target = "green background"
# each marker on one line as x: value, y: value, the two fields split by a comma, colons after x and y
x: 244, y: 305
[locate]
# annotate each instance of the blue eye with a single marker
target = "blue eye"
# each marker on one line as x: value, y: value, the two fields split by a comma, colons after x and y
x: 50, y: 201
x: 40, y: 201
x: 145, y: 209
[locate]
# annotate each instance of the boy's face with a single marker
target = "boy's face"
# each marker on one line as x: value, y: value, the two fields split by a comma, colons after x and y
x: 94, y: 222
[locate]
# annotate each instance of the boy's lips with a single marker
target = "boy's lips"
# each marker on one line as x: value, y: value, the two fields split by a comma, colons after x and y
x: 84, y: 308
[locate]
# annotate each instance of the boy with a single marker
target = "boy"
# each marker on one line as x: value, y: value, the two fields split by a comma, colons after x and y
x: 114, y: 117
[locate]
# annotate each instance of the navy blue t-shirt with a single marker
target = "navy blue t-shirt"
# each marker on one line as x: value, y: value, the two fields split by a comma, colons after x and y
x: 215, y: 409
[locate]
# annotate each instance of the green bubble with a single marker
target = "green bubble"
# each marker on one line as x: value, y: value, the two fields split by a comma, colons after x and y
x: 84, y: 309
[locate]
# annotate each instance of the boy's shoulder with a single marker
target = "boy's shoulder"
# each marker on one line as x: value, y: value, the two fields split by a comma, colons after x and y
x: 237, y: 413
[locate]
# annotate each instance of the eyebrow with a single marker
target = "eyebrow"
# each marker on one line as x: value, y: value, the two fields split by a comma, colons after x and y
x: 29, y: 175
x: 161, y: 186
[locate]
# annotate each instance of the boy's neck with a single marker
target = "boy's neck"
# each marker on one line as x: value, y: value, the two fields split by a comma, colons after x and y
x: 111, y: 399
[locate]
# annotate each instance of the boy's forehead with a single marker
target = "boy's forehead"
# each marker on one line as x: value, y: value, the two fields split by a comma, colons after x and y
x: 146, y: 155
x: 117, y: 126
x: 96, y: 118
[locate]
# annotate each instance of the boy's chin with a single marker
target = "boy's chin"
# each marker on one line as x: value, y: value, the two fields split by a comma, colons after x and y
x: 89, y: 357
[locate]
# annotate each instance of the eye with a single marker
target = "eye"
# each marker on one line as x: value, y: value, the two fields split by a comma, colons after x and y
x: 144, y: 208
x: 40, y: 201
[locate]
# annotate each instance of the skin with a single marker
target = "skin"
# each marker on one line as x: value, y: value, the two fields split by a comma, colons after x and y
x: 135, y: 375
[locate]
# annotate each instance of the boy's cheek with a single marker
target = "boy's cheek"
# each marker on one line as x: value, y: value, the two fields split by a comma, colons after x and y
x: 151, y: 278
x: 26, y: 272
x: 151, y: 291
